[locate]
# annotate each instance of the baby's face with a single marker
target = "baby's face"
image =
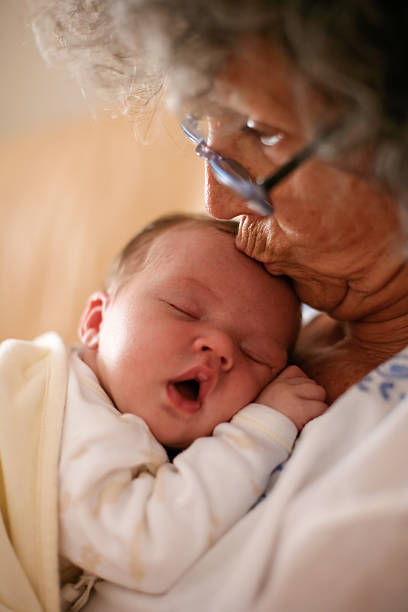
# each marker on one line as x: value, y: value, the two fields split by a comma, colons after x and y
x: 194, y: 336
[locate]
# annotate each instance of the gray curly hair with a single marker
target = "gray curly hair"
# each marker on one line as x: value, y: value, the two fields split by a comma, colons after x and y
x: 354, y: 50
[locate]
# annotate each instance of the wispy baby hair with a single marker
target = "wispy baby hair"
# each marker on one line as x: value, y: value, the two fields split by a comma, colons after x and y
x: 133, y: 256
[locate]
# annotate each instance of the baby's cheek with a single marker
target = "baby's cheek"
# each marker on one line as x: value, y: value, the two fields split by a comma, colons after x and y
x: 267, y: 376
x: 250, y: 383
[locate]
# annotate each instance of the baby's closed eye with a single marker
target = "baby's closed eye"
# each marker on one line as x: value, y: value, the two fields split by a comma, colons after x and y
x: 187, y: 310
x: 256, y: 357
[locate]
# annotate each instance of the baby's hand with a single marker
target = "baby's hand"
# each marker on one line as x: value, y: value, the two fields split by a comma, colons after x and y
x: 295, y: 395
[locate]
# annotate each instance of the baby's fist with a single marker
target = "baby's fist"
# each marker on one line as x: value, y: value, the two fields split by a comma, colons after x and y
x: 295, y: 395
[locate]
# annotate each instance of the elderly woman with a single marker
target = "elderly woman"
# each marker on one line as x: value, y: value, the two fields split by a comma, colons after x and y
x: 300, y: 111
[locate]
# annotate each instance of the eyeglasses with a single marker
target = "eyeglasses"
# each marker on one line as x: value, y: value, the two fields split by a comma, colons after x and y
x: 231, y: 174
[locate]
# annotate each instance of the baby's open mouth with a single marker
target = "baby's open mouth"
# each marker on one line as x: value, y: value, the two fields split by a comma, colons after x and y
x: 188, y: 392
x: 184, y: 395
x: 189, y: 389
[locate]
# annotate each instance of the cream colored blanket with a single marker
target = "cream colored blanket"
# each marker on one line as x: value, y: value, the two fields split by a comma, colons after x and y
x: 33, y: 381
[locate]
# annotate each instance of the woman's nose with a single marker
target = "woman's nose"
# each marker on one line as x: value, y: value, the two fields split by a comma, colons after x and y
x: 233, y: 143
x: 219, y: 344
x: 222, y: 202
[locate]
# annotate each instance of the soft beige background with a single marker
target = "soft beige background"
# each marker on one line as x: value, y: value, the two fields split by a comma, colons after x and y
x: 73, y: 188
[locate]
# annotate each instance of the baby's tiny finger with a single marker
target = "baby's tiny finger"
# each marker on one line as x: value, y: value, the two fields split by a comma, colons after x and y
x: 291, y: 372
x: 317, y: 408
x: 311, y: 390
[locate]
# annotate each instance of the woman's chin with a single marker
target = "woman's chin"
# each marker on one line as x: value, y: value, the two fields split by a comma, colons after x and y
x: 321, y: 296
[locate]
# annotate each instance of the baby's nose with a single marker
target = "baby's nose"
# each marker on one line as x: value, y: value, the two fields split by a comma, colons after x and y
x: 219, y: 343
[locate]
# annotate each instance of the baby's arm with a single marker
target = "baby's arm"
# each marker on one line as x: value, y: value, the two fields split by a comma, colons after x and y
x: 295, y: 395
x: 131, y: 517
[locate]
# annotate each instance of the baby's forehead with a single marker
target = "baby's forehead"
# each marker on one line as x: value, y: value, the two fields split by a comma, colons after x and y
x: 209, y: 256
x: 185, y: 243
x: 210, y: 252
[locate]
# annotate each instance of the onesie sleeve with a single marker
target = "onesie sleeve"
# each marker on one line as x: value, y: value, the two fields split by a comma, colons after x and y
x: 130, y: 516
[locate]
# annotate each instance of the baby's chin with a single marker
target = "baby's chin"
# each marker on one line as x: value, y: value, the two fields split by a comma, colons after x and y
x: 173, y: 442
x: 173, y: 447
x: 176, y: 443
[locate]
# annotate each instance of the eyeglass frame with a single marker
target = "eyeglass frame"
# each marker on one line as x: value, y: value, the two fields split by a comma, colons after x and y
x: 232, y: 174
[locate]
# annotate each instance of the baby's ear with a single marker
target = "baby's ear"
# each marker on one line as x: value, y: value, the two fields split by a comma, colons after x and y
x: 92, y: 318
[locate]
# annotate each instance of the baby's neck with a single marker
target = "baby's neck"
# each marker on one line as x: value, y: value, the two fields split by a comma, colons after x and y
x: 88, y: 356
